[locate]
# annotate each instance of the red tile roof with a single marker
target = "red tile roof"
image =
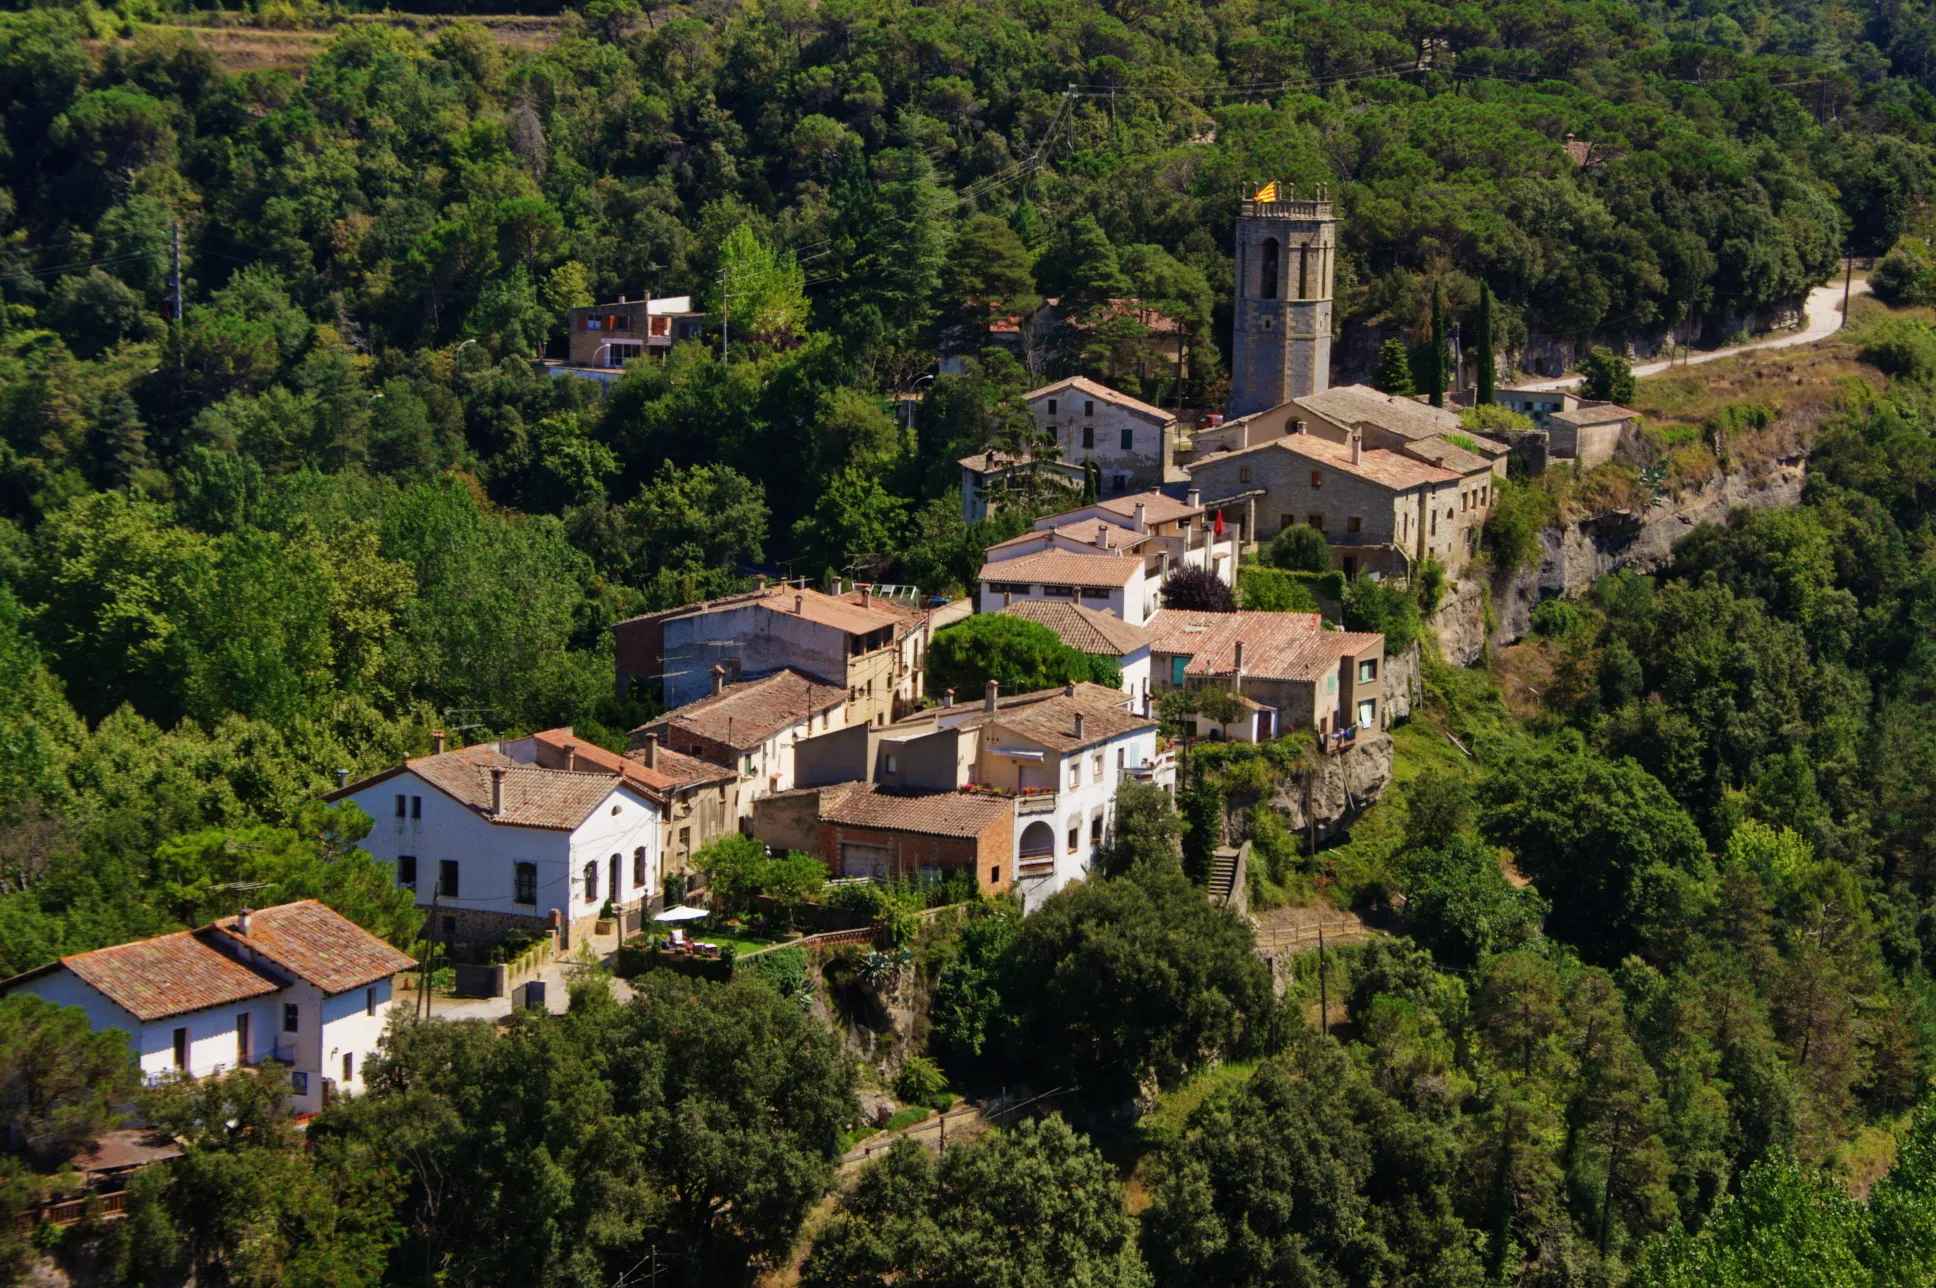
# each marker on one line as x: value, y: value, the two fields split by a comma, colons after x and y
x: 561, y: 742
x: 556, y: 799
x: 1376, y: 465
x: 1104, y: 393
x: 684, y: 770
x: 750, y: 712
x: 1277, y: 646
x: 153, y: 979
x: 1157, y: 508
x: 1082, y: 628
x: 1065, y: 568
x: 925, y: 813
x: 1081, y: 531
x: 316, y: 944
x: 815, y: 606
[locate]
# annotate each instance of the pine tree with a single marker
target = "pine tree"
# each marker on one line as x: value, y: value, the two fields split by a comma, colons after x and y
x: 1393, y: 374
x: 1435, y: 363
x: 1486, y: 359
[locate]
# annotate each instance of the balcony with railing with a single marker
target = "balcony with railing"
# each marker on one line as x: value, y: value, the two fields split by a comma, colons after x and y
x: 281, y: 1054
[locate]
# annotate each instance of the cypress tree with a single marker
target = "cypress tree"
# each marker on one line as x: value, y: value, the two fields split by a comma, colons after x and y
x: 1486, y: 360
x: 1435, y: 365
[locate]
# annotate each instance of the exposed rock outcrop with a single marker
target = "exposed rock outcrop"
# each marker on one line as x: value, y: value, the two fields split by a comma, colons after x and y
x: 1334, y: 790
x: 1477, y: 613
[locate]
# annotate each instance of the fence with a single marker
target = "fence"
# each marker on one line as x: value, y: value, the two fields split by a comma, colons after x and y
x: 69, y: 1211
x: 1294, y: 939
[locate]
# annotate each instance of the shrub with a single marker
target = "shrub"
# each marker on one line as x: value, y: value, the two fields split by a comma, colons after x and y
x: 1272, y: 590
x: 920, y: 1080
x: 1554, y: 618
x: 1520, y: 513
x: 1301, y: 547
x: 1488, y: 417
x: 1429, y: 585
x: 1906, y: 277
x: 1194, y: 588
x: 1902, y: 348
x: 1379, y: 606
x: 1607, y: 375
x: 1020, y: 655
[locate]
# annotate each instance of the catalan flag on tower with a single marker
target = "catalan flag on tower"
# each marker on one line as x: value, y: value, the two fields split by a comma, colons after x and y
x: 1267, y: 193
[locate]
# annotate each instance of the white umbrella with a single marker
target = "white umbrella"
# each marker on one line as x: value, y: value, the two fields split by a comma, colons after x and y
x: 682, y: 913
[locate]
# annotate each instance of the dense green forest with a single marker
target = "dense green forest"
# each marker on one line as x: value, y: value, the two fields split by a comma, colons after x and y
x: 333, y: 506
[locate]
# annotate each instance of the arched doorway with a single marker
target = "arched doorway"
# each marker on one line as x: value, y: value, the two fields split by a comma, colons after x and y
x: 1038, y: 842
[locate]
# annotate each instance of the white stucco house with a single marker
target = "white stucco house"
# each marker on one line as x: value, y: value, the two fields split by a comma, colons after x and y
x: 296, y: 983
x: 494, y: 837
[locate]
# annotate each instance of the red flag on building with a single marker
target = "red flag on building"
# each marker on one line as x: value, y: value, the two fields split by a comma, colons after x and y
x: 1219, y: 528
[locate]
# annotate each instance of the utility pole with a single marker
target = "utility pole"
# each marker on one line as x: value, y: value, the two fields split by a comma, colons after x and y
x: 1324, y: 992
x: 725, y: 283
x: 1848, y: 278
x: 174, y: 287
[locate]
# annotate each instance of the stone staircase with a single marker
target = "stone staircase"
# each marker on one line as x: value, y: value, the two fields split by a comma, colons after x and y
x: 1229, y: 877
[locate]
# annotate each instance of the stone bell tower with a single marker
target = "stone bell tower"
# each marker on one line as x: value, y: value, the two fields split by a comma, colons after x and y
x: 1281, y: 336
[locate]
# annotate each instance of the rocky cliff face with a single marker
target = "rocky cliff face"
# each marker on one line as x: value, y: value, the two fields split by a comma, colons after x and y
x: 1478, y: 613
x: 1334, y: 790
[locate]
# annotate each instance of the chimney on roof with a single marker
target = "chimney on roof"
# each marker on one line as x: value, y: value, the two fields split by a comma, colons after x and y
x: 1102, y: 536
x: 759, y: 583
x: 800, y: 604
x: 1297, y: 427
x: 571, y: 756
x: 1069, y: 688
x: 651, y: 742
x: 1240, y: 657
x: 989, y: 695
x: 621, y: 299
x: 437, y: 742
x: 1357, y: 447
x: 497, y: 791
x: 242, y: 922
x: 1078, y: 726
x: 1008, y: 597
x: 1142, y: 520
x: 839, y: 585
x: 1196, y: 499
x: 342, y: 779
x: 867, y: 596
x: 719, y: 679
x: 947, y: 697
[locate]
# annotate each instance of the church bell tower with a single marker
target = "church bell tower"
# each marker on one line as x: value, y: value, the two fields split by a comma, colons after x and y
x: 1281, y: 336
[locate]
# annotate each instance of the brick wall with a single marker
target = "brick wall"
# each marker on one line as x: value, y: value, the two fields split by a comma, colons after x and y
x: 909, y: 852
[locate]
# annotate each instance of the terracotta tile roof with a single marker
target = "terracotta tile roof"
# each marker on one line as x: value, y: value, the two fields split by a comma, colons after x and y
x: 1277, y: 646
x: 1082, y: 532
x: 684, y: 770
x: 1349, y: 405
x: 1065, y: 568
x: 1102, y: 393
x: 590, y: 755
x: 153, y: 979
x: 1157, y: 508
x: 989, y: 461
x: 1376, y: 465
x: 557, y: 799
x: 1188, y: 631
x: 1051, y: 722
x: 750, y: 712
x: 926, y: 813
x: 816, y: 606
x: 1436, y: 451
x: 1083, y: 629
x: 314, y: 943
